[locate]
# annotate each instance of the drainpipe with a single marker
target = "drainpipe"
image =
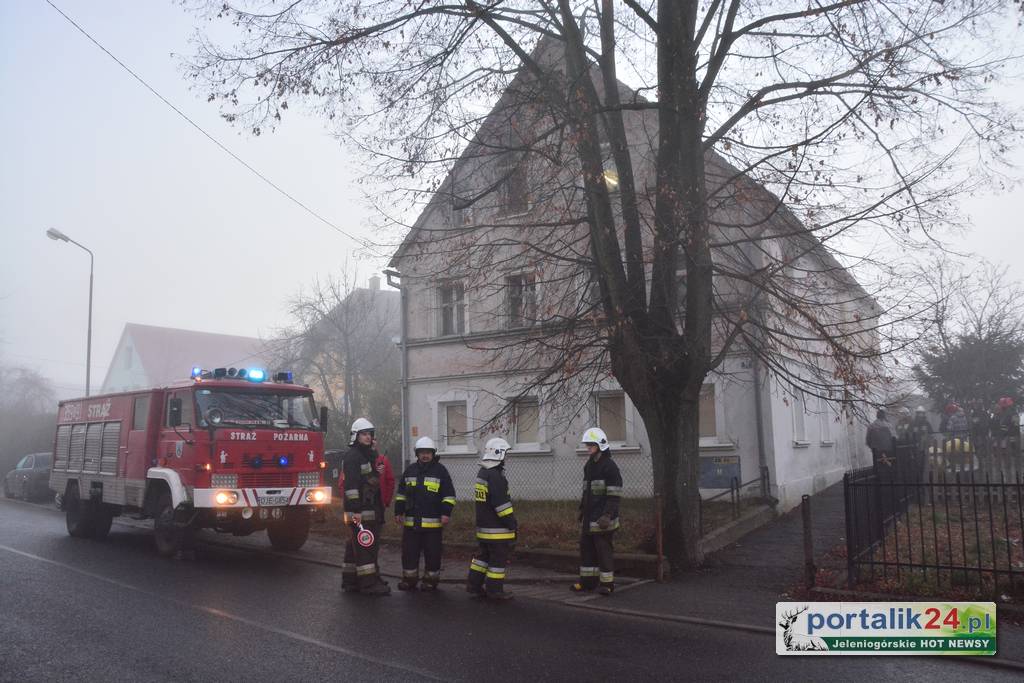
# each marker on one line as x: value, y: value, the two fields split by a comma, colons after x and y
x: 762, y: 458
x: 395, y: 280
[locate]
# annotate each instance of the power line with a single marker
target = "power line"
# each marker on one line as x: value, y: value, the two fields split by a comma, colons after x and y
x: 210, y: 137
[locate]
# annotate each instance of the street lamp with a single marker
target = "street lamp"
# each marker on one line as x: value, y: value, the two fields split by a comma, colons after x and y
x: 55, y: 234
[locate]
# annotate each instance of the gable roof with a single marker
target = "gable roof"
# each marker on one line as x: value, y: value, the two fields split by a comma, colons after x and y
x: 168, y: 354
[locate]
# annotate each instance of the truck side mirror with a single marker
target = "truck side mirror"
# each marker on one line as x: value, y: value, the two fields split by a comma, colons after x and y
x: 323, y: 419
x: 174, y: 413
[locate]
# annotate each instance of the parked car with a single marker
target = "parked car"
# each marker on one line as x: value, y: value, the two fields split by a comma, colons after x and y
x: 30, y: 479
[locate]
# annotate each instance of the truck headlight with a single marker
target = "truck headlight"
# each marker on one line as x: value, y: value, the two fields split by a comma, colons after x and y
x: 226, y: 497
x: 316, y: 496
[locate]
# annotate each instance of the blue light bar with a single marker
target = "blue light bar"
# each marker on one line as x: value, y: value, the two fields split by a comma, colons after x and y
x: 197, y: 372
x: 283, y: 460
x: 256, y: 374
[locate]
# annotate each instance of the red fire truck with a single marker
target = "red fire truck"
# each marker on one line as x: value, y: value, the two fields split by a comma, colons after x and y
x: 230, y: 449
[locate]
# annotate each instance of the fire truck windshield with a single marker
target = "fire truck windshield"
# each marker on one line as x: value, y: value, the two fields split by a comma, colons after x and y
x: 256, y: 409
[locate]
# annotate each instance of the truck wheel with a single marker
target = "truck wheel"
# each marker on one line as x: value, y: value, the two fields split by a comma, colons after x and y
x: 77, y: 515
x: 290, y: 533
x: 101, y: 521
x: 165, y: 533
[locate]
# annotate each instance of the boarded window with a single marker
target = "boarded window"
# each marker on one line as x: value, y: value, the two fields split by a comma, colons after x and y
x: 708, y: 416
x: 93, y: 447
x: 140, y: 416
x: 111, y: 443
x: 611, y: 416
x: 60, y: 452
x: 522, y: 300
x: 77, y: 450
x: 452, y: 297
x: 455, y: 422
x: 527, y: 416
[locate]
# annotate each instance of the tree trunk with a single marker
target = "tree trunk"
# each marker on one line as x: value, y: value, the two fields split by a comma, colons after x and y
x: 673, y: 431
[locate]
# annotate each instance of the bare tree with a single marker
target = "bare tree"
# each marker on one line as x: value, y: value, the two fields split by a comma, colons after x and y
x: 696, y: 214
x: 28, y: 407
x: 340, y: 342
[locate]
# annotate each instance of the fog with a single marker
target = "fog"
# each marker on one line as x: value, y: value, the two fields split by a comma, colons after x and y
x: 184, y: 236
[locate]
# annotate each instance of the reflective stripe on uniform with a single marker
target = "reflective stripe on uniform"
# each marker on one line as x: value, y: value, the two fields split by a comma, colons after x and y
x: 614, y: 491
x: 588, y: 571
x: 597, y: 485
x: 432, y: 484
x: 478, y: 566
x: 351, y: 493
x: 366, y: 468
x: 365, y: 569
x: 448, y: 499
x: 489, y: 534
x: 410, y: 573
x: 410, y: 481
x: 495, y: 572
x: 399, y: 497
x: 504, y: 510
x: 607, y: 577
x: 430, y: 522
x: 348, y: 568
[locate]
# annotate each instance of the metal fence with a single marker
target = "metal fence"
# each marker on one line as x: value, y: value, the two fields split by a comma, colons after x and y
x: 943, y: 513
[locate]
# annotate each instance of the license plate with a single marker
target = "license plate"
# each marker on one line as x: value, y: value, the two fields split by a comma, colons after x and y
x: 272, y: 501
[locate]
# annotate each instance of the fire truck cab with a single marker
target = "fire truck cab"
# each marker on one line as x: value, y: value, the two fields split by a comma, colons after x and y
x: 229, y: 449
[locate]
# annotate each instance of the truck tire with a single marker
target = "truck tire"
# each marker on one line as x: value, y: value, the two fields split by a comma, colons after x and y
x: 77, y: 515
x: 165, y: 533
x: 101, y: 521
x: 291, y: 533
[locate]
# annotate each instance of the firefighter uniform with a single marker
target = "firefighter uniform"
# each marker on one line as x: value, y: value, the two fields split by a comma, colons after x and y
x: 362, y: 496
x: 599, y: 515
x: 425, y: 495
x: 495, y: 525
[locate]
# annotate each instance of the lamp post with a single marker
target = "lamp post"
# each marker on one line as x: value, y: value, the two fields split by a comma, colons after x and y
x: 55, y: 234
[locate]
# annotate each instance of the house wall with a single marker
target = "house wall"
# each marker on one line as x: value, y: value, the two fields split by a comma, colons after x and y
x: 126, y: 371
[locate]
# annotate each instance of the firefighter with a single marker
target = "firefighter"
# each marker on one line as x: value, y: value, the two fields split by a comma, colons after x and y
x: 423, y: 506
x: 599, y: 515
x: 363, y: 507
x: 495, y: 525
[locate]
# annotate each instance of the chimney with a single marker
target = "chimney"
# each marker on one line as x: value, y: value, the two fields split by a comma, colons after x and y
x: 375, y: 283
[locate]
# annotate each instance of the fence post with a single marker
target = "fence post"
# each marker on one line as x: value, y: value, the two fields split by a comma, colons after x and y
x: 851, y: 579
x: 809, y: 570
x: 734, y: 494
x: 660, y: 570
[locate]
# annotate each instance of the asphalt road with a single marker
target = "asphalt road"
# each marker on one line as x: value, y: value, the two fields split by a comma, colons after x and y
x: 113, y: 610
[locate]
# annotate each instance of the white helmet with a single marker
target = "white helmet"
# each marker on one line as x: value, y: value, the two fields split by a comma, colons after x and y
x: 920, y: 409
x: 597, y: 436
x: 360, y: 425
x: 495, y: 450
x: 425, y: 443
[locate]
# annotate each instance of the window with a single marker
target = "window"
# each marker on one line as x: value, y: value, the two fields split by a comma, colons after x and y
x: 527, y: 421
x: 25, y: 464
x: 799, y: 410
x: 515, y: 190
x: 708, y: 417
x: 42, y: 462
x: 141, y: 413
x: 611, y: 416
x: 522, y: 300
x: 455, y: 424
x: 453, y: 308
x: 825, y: 420
x: 461, y: 217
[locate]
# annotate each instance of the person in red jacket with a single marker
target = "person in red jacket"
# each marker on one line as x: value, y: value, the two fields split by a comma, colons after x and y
x: 387, y: 477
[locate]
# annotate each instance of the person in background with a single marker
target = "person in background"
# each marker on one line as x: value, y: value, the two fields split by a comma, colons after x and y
x: 880, y: 441
x: 599, y: 515
x: 364, y: 509
x: 387, y: 477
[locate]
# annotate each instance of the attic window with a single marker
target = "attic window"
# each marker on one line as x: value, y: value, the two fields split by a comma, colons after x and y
x: 514, y: 195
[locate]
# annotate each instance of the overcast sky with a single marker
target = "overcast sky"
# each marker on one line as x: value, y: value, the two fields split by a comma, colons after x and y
x: 183, y: 235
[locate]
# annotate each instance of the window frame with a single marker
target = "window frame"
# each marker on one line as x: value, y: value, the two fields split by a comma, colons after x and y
x: 626, y: 426
x: 514, y: 169
x: 798, y: 407
x: 526, y: 282
x: 456, y: 308
x: 527, y: 445
x: 825, y: 435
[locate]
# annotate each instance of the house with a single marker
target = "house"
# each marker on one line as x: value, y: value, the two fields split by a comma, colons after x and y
x: 474, y: 302
x: 150, y: 356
